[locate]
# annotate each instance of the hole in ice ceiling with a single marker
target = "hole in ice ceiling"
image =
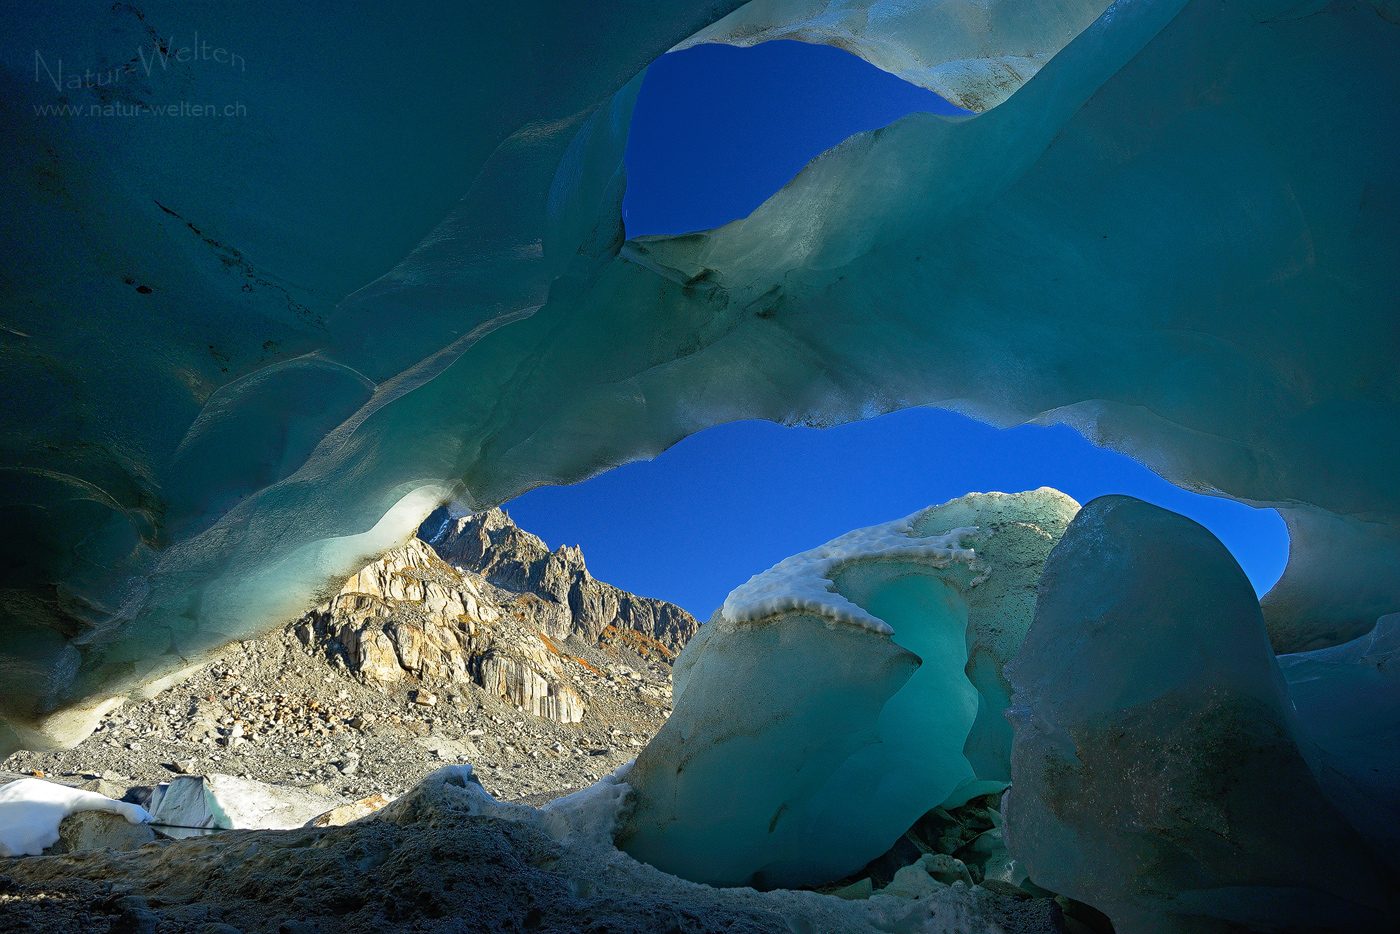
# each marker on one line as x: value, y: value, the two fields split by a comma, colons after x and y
x: 732, y: 501
x: 718, y: 129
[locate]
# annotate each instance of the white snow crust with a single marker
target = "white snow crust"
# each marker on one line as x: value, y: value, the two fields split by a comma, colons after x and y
x: 804, y: 581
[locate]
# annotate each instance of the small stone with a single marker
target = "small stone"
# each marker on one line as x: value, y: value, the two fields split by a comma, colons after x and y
x: 104, y: 787
x: 425, y: 699
x: 348, y: 766
x: 913, y: 882
x: 320, y: 788
x: 346, y: 813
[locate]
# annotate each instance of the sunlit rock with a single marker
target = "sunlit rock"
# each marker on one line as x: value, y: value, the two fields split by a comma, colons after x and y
x: 411, y: 614
x: 572, y: 601
x: 1159, y: 772
x: 840, y: 695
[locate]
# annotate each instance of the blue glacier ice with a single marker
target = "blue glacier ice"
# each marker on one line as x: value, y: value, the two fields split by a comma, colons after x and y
x: 1160, y: 770
x: 243, y: 355
x: 839, y: 696
x: 1348, y: 703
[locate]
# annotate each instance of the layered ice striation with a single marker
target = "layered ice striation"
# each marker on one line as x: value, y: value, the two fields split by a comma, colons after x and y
x: 1160, y: 771
x: 243, y: 356
x: 842, y: 694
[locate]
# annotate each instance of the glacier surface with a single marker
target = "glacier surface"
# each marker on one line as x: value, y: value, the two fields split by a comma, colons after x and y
x: 243, y: 356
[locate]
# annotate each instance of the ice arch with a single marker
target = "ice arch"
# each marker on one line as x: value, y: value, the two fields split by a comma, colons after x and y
x: 975, y: 54
x: 1173, y: 236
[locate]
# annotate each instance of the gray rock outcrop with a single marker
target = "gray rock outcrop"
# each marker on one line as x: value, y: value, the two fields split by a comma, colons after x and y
x: 410, y: 614
x: 570, y: 600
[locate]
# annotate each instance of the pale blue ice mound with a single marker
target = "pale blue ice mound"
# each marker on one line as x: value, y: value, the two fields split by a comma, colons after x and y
x: 1159, y: 771
x: 840, y: 695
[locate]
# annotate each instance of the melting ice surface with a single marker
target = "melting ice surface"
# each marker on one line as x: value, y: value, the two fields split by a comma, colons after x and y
x: 1165, y: 767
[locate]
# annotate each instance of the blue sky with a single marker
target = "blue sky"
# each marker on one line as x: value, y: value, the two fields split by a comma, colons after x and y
x: 716, y: 131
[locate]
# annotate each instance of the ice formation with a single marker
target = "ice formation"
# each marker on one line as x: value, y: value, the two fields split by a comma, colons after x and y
x: 1348, y: 702
x: 1175, y: 230
x: 188, y: 805
x: 929, y: 44
x: 1159, y: 771
x: 839, y: 696
x: 31, y: 810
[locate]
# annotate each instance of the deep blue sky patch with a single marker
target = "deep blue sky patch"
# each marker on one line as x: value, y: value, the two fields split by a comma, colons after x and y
x: 718, y: 129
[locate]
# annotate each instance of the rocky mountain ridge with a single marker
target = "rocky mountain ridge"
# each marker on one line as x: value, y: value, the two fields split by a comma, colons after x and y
x: 490, y: 544
x: 433, y: 612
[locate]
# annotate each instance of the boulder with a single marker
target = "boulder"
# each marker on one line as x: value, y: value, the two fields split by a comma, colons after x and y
x: 94, y: 830
x: 1159, y: 771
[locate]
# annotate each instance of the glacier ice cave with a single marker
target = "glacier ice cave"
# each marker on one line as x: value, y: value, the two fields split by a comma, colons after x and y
x: 376, y: 262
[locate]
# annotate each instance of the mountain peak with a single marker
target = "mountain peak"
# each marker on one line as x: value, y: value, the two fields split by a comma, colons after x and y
x: 491, y: 544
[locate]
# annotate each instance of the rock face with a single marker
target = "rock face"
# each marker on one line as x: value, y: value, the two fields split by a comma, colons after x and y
x: 493, y: 546
x: 487, y: 602
x: 410, y: 613
x: 92, y: 830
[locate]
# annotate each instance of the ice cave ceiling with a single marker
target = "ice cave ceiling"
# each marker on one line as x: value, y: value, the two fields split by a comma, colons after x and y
x: 244, y: 354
